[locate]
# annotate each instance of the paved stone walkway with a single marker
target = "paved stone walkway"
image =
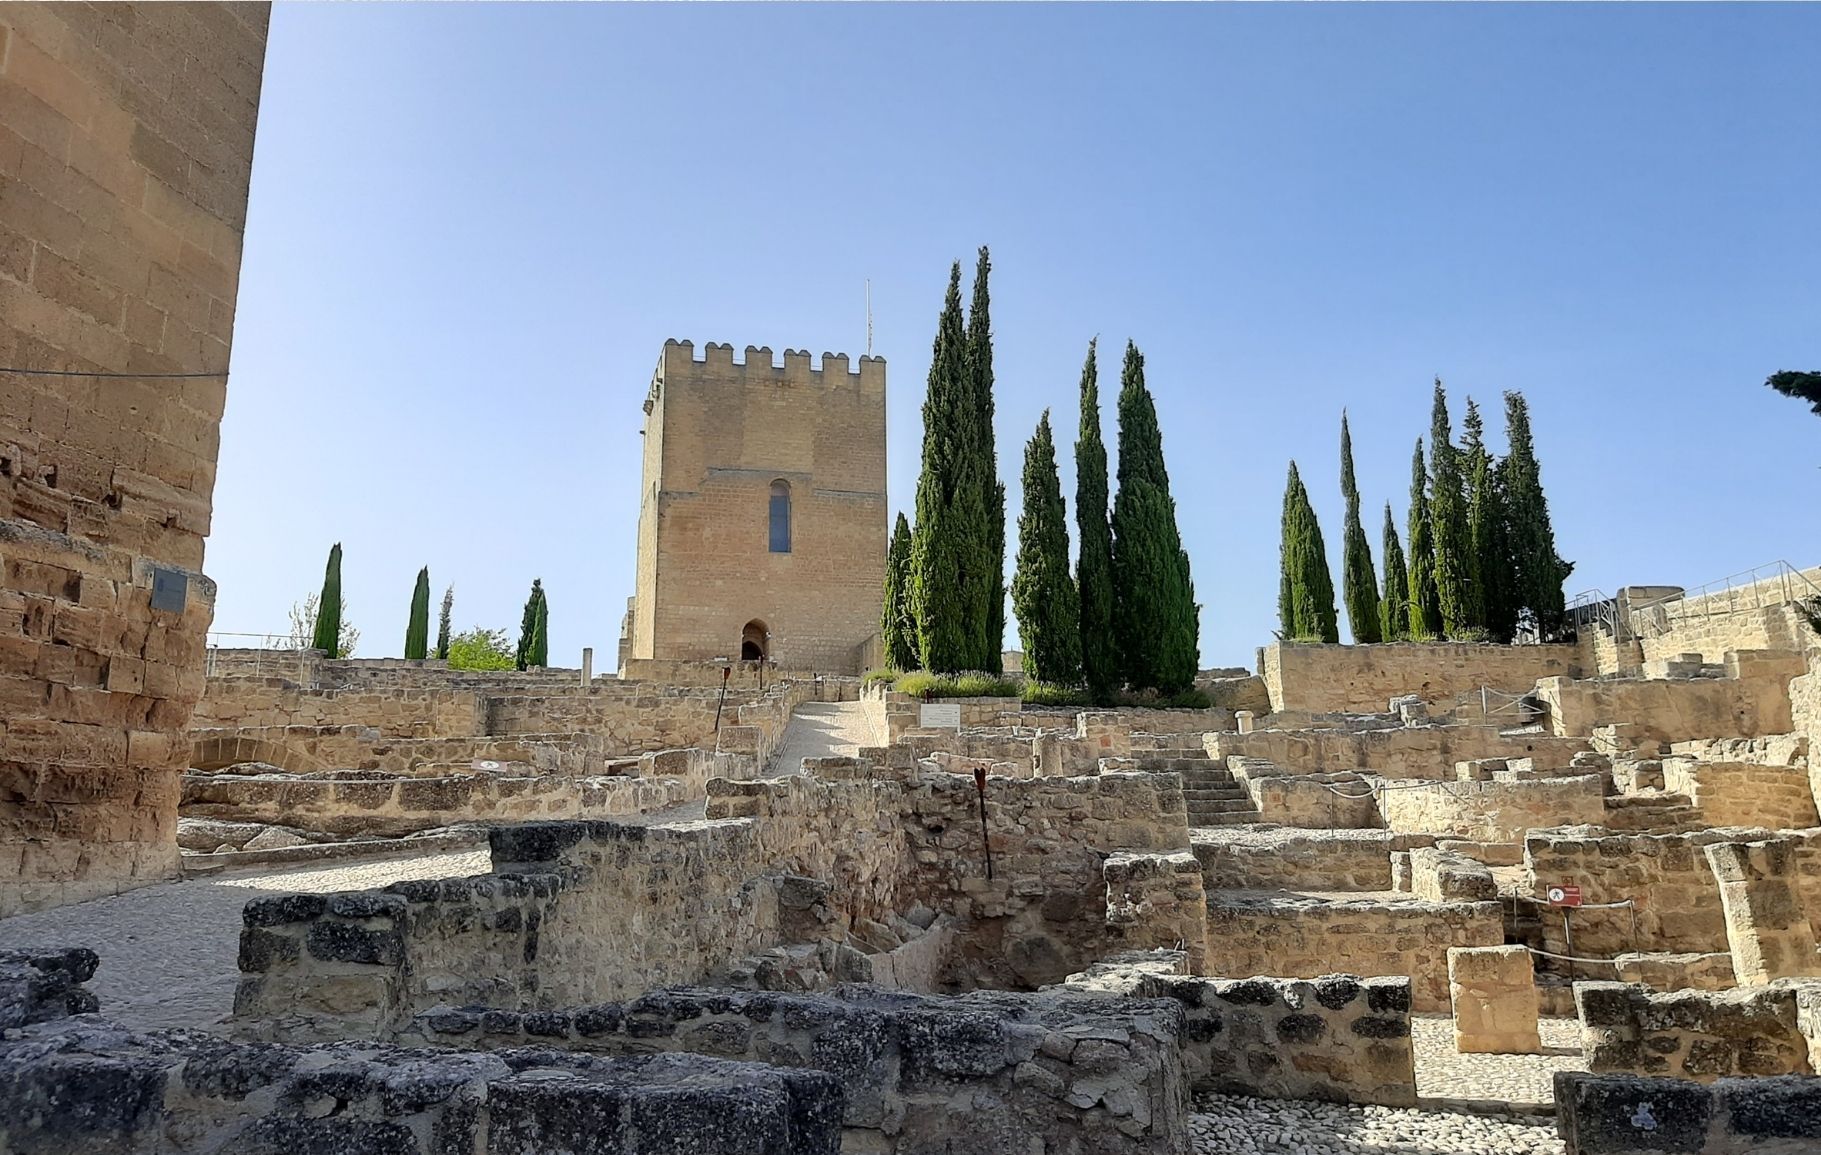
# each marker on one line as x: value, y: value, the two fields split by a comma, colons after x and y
x: 821, y: 730
x: 169, y: 952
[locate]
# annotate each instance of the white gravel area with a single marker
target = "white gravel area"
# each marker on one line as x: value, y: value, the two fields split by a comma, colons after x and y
x: 1444, y: 1073
x: 821, y: 730
x: 1237, y: 1125
x: 169, y: 952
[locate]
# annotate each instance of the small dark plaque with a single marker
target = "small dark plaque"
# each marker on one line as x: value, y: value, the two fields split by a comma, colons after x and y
x: 170, y: 589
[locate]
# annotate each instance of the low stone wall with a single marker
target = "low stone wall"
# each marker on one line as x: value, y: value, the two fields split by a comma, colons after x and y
x: 1329, y: 679
x: 1626, y: 1115
x: 1311, y: 937
x: 1701, y: 1035
x: 1338, y: 1038
x: 396, y: 713
x: 1805, y: 713
x: 1743, y: 793
x: 1446, y: 876
x: 1426, y: 752
x: 1498, y: 811
x: 1677, y: 972
x: 1332, y: 801
x: 1246, y: 858
x: 1753, y: 701
x: 309, y: 749
x: 1062, y: 1071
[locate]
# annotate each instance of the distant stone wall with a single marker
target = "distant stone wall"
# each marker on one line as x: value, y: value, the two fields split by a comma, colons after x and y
x: 1690, y: 1034
x: 1627, y: 1115
x: 1743, y: 793
x: 1066, y: 1071
x: 411, y: 713
x: 1428, y: 752
x: 1754, y: 702
x: 1325, y: 801
x: 1805, y: 717
x: 1311, y: 937
x: 303, y: 749
x: 1751, y: 617
x: 1242, y: 858
x: 1500, y: 811
x: 1677, y: 972
x: 1326, y: 679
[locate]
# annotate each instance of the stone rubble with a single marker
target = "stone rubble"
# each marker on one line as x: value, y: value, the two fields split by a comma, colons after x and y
x: 1240, y: 1125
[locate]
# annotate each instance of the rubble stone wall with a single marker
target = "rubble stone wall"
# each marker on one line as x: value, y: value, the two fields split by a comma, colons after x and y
x: 1667, y: 710
x: 1239, y: 858
x: 1667, y: 875
x: 264, y: 702
x: 1689, y: 1034
x: 1492, y: 811
x: 1427, y: 752
x: 1311, y: 937
x: 123, y: 188
x: 1744, y: 793
x: 1362, y: 679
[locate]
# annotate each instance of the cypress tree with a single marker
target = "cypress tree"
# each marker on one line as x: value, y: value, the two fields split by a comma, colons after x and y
x: 540, y: 633
x: 979, y: 363
x: 417, y: 627
x: 1488, y: 562
x: 528, y: 625
x: 1357, y: 577
x: 940, y: 562
x: 896, y: 631
x: 328, y: 607
x: 1153, y: 595
x: 1425, y: 604
x: 1094, y: 566
x: 1394, y: 607
x: 1043, y: 593
x: 1461, y: 613
x: 1305, y: 604
x: 442, y: 624
x: 1537, y: 571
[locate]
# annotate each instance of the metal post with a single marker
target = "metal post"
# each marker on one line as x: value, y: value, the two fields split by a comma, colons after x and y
x: 1568, y: 937
x: 725, y: 671
x: 986, y: 842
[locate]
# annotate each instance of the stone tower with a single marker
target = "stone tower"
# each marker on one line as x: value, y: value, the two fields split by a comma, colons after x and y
x: 762, y: 512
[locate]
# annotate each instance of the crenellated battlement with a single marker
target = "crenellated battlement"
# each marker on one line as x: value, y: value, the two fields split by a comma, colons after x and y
x: 680, y: 363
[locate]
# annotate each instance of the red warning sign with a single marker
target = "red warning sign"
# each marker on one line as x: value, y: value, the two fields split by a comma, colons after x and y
x: 1564, y: 896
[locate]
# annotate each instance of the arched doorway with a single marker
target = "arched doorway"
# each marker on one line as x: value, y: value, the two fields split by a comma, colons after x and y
x: 755, y: 642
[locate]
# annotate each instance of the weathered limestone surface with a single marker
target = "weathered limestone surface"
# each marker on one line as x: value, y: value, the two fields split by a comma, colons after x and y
x: 1766, y: 927
x: 1062, y: 1071
x: 1446, y: 876
x: 1625, y: 1115
x: 123, y: 189
x: 1496, y: 811
x: 1702, y: 1035
x: 1752, y: 700
x: 1495, y: 1005
x: 1743, y: 793
x: 1326, y: 679
x: 1675, y: 972
x: 1427, y: 752
x: 1244, y: 858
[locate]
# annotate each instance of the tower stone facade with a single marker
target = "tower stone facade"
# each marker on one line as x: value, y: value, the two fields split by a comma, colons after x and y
x: 762, y: 515
x: 126, y: 144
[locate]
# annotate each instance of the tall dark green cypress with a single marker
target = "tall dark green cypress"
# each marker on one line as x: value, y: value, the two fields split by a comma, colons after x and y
x: 1394, y: 607
x: 942, y: 559
x: 1359, y: 582
x: 328, y: 607
x: 540, y: 632
x: 1043, y: 593
x: 1489, y: 563
x: 1153, y: 595
x: 1461, y: 613
x: 442, y: 624
x: 1094, y: 565
x: 979, y: 360
x: 1537, y: 571
x: 528, y: 625
x: 896, y: 631
x: 1425, y: 603
x: 1305, y: 604
x: 417, y: 627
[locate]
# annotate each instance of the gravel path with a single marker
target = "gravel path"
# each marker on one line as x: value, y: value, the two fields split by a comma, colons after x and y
x: 1235, y: 1125
x: 821, y: 730
x: 169, y: 952
x: 1444, y: 1073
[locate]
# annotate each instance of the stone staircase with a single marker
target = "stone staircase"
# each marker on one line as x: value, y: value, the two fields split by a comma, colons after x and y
x: 1214, y: 798
x: 1651, y: 813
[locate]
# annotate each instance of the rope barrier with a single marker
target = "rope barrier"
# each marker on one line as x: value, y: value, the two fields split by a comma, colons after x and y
x: 1572, y: 958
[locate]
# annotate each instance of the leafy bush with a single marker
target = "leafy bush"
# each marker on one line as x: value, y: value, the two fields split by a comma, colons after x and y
x: 875, y: 677
x: 1045, y: 694
x: 480, y: 649
x: 1181, y: 700
x: 922, y: 683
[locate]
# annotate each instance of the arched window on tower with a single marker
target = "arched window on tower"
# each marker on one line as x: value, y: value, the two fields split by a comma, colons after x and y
x: 780, y: 517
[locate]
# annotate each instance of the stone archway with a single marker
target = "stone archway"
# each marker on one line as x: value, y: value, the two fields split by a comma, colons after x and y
x: 755, y: 642
x: 215, y: 752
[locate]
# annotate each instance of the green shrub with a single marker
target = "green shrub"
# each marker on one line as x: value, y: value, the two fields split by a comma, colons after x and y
x: 1181, y: 700
x: 874, y: 677
x: 1045, y: 694
x: 480, y: 649
x: 922, y: 683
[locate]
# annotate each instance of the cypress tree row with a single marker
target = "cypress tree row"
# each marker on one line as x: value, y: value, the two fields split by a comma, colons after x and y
x: 328, y: 607
x: 1305, y: 604
x: 896, y: 630
x: 1488, y: 561
x: 539, y: 655
x: 940, y: 589
x: 1043, y: 593
x: 442, y: 624
x: 1357, y: 578
x: 1425, y: 602
x: 1153, y: 596
x: 1094, y: 567
x: 1537, y: 571
x: 1394, y: 607
x: 528, y: 625
x: 1458, y: 597
x: 417, y: 626
x: 979, y: 361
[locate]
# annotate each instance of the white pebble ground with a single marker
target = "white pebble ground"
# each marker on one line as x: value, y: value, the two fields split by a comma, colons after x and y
x: 1235, y: 1125
x: 1444, y: 1073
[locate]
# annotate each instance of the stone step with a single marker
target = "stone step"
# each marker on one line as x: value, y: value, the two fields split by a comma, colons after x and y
x: 1230, y: 790
x: 1229, y: 818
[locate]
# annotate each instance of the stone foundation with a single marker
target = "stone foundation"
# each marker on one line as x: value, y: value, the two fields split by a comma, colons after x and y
x: 1622, y: 1115
x: 1766, y: 928
x: 1702, y: 1035
x: 1495, y: 1004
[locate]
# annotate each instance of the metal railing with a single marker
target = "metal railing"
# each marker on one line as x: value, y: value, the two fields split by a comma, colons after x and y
x: 1776, y: 583
x: 277, y: 655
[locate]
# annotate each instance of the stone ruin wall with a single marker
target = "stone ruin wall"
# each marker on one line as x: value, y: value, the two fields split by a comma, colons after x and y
x: 1752, y: 617
x: 1328, y: 679
x: 1392, y: 751
x: 122, y: 203
x: 1689, y: 1034
x: 1752, y: 700
x: 1492, y: 811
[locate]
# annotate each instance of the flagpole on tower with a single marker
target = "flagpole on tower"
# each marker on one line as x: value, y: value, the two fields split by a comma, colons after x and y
x: 869, y: 316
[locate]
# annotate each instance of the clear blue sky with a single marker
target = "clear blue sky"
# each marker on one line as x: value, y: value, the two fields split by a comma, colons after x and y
x: 472, y: 228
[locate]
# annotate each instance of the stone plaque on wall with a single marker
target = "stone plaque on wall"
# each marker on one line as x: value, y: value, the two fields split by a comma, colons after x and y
x: 940, y: 716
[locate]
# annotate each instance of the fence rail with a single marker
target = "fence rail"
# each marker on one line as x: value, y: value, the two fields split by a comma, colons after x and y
x: 1774, y: 583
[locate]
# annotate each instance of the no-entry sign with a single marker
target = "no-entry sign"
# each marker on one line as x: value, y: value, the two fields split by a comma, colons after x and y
x: 1564, y: 896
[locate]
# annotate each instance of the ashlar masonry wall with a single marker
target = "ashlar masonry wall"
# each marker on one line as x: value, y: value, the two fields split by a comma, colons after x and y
x: 1324, y: 679
x: 126, y: 145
